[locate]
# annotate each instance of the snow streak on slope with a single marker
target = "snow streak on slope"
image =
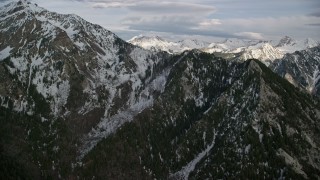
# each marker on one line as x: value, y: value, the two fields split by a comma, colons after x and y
x: 4, y: 53
x: 183, y: 174
x: 109, y: 125
x: 77, y: 67
x: 54, y: 48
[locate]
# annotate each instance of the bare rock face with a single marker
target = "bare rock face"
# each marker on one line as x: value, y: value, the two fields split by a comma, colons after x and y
x: 78, y: 102
x: 213, y: 115
x: 301, y: 68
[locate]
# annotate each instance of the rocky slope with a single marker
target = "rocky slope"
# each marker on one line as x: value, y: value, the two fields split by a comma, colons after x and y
x: 216, y: 119
x: 78, y: 102
x: 265, y: 52
x: 64, y: 72
x: 301, y: 68
x: 62, y: 57
x: 289, y: 45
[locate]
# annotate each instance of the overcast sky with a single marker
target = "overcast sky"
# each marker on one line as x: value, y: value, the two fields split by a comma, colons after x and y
x: 204, y: 19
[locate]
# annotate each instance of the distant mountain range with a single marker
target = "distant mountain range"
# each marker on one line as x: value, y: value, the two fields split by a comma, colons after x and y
x: 243, y: 49
x: 78, y: 102
x: 157, y: 43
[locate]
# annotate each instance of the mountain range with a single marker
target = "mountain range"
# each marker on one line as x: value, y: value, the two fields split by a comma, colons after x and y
x: 300, y: 68
x: 242, y: 49
x: 157, y: 43
x: 78, y: 102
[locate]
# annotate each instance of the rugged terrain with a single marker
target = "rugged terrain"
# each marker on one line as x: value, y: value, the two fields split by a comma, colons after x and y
x: 233, y: 48
x: 157, y: 43
x: 76, y: 101
x: 59, y: 70
x: 301, y: 68
x: 217, y: 119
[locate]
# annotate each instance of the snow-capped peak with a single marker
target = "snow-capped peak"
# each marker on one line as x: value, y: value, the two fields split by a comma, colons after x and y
x: 193, y: 44
x: 234, y: 43
x: 154, y: 43
x: 141, y: 38
x: 20, y: 6
x: 310, y: 43
x: 159, y: 44
x: 135, y: 37
x: 286, y: 41
x: 263, y: 51
x: 289, y: 45
x: 231, y: 45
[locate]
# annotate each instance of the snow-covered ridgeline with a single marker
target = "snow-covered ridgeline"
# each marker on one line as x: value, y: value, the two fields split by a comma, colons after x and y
x: 264, y: 50
x: 160, y: 44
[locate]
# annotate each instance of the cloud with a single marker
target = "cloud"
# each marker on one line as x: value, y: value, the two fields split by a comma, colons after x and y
x: 249, y: 35
x: 219, y: 18
x: 172, y: 8
x: 171, y: 17
x: 316, y: 14
x: 111, y: 5
x: 315, y: 24
x: 161, y: 23
x: 157, y: 8
x: 179, y: 25
x: 254, y: 28
x: 293, y: 23
x: 210, y: 22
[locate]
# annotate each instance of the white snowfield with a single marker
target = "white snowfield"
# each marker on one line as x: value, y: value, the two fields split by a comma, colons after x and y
x: 257, y: 49
x: 157, y: 43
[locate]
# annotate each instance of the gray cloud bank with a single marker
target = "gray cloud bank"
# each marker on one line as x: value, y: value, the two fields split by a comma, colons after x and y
x: 250, y: 19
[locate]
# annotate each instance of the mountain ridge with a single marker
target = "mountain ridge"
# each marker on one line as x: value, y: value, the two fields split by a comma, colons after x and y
x: 76, y: 100
x: 62, y: 71
x: 300, y: 68
x: 257, y: 49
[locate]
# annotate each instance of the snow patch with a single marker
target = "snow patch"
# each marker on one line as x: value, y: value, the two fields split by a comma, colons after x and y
x: 4, y: 53
x: 110, y: 125
x: 186, y: 170
x: 257, y: 128
x: 247, y: 149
